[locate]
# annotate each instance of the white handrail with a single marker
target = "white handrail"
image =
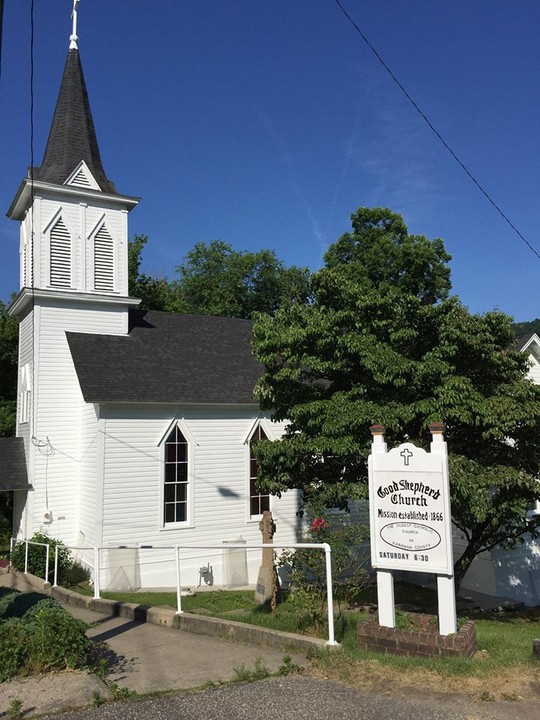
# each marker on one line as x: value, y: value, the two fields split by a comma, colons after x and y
x: 211, y: 546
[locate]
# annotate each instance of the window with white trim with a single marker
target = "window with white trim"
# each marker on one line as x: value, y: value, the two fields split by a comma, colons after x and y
x: 24, y: 394
x: 60, y: 255
x: 258, y: 502
x: 176, y: 479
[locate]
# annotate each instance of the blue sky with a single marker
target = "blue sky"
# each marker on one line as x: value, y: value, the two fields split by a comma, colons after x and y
x: 267, y: 123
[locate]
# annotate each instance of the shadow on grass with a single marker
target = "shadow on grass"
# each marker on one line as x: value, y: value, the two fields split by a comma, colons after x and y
x: 14, y: 604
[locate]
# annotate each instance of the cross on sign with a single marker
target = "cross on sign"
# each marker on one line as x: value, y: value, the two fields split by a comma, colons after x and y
x: 406, y: 455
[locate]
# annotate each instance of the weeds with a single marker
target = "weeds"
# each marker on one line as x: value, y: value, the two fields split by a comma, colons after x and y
x: 101, y: 668
x: 120, y: 693
x: 14, y: 711
x: 244, y: 674
x: 287, y: 666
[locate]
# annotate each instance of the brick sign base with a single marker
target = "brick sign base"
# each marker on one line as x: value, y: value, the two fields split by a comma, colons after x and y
x: 422, y: 641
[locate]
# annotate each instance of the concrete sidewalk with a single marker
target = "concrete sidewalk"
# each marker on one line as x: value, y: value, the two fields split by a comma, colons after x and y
x: 142, y: 656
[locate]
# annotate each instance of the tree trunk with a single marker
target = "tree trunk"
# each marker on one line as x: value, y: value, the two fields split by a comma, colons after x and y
x: 464, y: 562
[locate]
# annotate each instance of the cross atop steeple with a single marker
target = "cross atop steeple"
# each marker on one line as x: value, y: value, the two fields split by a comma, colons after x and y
x: 73, y: 38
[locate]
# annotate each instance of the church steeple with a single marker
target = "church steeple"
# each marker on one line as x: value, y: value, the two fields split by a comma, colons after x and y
x: 72, y: 137
x: 74, y: 230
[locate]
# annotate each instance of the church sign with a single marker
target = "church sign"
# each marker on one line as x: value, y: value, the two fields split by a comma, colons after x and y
x: 410, y: 510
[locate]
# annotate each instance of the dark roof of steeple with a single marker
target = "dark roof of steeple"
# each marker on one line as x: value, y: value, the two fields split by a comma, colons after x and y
x: 72, y: 137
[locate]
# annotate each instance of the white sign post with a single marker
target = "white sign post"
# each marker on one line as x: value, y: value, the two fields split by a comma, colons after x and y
x: 410, y: 520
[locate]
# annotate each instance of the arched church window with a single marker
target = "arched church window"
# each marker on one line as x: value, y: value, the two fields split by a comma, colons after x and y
x: 258, y: 502
x: 176, y: 491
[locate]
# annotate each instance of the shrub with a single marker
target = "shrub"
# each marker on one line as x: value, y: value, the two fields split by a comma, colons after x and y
x: 307, y: 568
x: 76, y: 575
x: 37, y: 555
x: 13, y: 635
x: 56, y: 639
x: 38, y: 635
x: 5, y: 530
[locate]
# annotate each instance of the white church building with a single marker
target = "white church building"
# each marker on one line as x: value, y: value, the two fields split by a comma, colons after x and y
x: 134, y: 428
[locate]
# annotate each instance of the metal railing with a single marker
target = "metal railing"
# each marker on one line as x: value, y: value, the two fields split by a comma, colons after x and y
x: 97, y: 552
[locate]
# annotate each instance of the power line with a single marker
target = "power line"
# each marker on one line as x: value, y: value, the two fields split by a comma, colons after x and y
x: 434, y: 130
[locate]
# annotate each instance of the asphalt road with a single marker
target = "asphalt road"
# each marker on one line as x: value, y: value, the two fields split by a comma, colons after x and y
x: 301, y: 698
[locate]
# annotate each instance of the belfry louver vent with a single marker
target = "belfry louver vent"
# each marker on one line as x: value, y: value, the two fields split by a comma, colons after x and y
x: 81, y: 180
x: 60, y: 272
x: 103, y: 261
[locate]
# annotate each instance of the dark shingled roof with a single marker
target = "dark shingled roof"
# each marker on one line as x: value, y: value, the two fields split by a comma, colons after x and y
x: 13, y: 474
x: 168, y: 358
x: 522, y: 340
x: 72, y: 137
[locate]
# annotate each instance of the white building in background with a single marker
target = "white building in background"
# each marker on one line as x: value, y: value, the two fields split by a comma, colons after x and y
x: 513, y: 574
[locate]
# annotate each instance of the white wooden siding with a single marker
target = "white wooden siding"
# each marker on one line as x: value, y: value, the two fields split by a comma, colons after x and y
x: 534, y: 371
x: 132, y: 489
x: 88, y: 473
x: 58, y: 417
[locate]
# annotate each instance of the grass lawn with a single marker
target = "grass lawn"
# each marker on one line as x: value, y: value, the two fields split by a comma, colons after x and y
x: 504, y: 667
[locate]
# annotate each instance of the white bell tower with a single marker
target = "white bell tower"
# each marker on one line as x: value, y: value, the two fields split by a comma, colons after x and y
x: 73, y: 277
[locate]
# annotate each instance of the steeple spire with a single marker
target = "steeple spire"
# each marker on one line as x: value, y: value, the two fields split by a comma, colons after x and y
x: 73, y: 39
x: 72, y: 137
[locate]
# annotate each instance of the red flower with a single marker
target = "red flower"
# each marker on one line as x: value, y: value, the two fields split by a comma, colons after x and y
x: 317, y: 524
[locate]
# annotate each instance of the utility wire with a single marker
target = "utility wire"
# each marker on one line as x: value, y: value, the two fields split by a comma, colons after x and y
x: 434, y: 129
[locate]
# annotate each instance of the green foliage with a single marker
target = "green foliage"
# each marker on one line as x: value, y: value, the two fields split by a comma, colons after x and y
x: 75, y: 575
x: 306, y: 569
x: 214, y: 279
x: 154, y: 293
x: 9, y: 349
x: 101, y: 667
x: 524, y: 328
x: 37, y: 635
x: 121, y: 693
x: 55, y: 640
x: 217, y: 280
x: 5, y: 527
x: 13, y: 636
x: 14, y: 711
x: 244, y: 674
x: 288, y: 667
x: 14, y: 604
x: 382, y: 341
x: 37, y: 556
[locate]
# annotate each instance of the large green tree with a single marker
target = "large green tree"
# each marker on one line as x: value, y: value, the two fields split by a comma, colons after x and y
x: 215, y: 279
x: 384, y: 342
x: 154, y: 293
x: 9, y: 343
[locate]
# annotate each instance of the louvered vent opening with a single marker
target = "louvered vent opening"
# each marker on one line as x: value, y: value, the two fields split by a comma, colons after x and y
x: 24, y: 260
x: 81, y: 180
x: 103, y: 261
x: 60, y: 255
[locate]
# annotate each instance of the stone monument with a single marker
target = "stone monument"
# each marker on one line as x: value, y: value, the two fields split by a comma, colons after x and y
x: 267, y: 589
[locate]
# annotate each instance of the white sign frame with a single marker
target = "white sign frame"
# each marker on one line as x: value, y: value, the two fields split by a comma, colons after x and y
x: 416, y: 481
x: 409, y: 508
